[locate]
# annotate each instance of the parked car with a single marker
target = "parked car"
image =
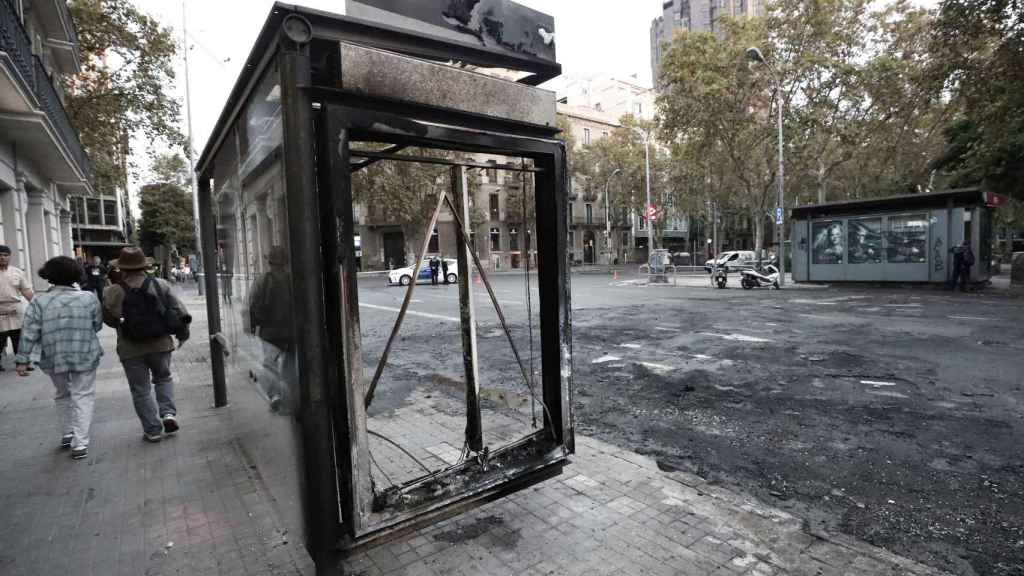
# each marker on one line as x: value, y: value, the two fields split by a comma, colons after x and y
x: 733, y: 261
x: 403, y: 276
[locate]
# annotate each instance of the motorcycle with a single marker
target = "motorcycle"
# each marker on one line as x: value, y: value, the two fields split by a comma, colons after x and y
x: 720, y: 277
x: 768, y: 277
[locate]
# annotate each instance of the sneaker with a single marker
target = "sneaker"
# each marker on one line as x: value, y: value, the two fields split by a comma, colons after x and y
x: 65, y: 442
x: 154, y: 438
x: 79, y: 453
x: 170, y: 424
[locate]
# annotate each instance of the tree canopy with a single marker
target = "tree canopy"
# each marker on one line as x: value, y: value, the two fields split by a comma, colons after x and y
x: 166, y: 206
x: 978, y: 52
x: 124, y: 88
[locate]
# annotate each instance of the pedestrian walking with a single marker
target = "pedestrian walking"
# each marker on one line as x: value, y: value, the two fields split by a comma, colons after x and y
x: 95, y: 277
x: 434, y: 265
x: 968, y: 262
x: 60, y: 331
x: 963, y: 259
x: 444, y: 268
x: 146, y: 314
x: 14, y: 284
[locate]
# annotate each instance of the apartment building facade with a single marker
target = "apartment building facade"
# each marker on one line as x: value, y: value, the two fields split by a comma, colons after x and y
x: 42, y: 162
x: 694, y: 16
x: 101, y: 224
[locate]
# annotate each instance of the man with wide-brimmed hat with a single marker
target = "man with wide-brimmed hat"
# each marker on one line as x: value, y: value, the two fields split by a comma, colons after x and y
x: 146, y: 360
x: 14, y: 284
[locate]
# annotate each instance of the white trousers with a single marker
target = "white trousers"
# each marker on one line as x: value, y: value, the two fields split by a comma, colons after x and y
x: 76, y: 395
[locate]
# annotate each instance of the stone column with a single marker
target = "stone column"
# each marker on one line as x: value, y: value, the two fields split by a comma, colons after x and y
x: 14, y: 207
x: 35, y: 227
x: 67, y: 240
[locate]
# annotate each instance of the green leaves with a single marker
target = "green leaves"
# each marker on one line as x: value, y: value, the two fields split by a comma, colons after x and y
x: 166, y: 205
x: 123, y: 90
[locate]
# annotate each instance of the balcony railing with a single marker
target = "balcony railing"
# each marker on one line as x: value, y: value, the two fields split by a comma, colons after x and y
x: 14, y: 40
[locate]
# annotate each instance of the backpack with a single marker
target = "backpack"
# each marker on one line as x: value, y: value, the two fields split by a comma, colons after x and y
x: 144, y: 315
x: 968, y: 257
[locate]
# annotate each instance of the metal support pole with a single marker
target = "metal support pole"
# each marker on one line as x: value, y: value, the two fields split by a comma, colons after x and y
x: 197, y: 227
x: 647, y: 172
x: 209, y: 246
x: 780, y: 223
x: 320, y: 481
x: 474, y: 426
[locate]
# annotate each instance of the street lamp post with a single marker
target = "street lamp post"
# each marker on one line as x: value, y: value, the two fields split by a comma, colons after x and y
x: 647, y: 179
x: 608, y: 216
x: 755, y: 55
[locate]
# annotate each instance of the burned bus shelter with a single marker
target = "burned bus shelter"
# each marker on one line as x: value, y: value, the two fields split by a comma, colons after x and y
x: 330, y: 409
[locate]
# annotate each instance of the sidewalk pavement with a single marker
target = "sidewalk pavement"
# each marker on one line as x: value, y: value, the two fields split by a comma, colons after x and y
x: 188, y: 505
x: 192, y: 505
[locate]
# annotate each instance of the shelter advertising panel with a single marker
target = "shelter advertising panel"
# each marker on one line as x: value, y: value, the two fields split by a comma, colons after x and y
x: 907, y: 241
x: 828, y: 242
x: 864, y: 240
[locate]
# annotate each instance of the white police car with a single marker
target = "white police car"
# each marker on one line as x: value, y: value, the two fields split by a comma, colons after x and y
x: 403, y: 276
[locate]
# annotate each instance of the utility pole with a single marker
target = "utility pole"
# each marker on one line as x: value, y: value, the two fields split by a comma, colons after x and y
x: 190, y: 152
x: 755, y: 55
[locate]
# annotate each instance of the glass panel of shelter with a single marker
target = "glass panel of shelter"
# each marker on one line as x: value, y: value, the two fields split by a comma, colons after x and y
x: 417, y: 420
x: 254, y: 283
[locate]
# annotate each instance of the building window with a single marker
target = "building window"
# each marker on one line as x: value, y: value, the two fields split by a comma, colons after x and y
x: 77, y: 210
x: 590, y: 213
x: 492, y: 173
x: 495, y: 240
x: 638, y: 108
x: 570, y: 212
x: 586, y: 136
x: 495, y: 213
x: 513, y: 239
x: 435, y: 244
x: 110, y: 212
x: 92, y: 211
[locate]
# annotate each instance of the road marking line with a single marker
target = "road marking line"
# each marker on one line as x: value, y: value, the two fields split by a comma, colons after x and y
x: 655, y: 366
x: 412, y: 312
x: 877, y: 384
x: 967, y: 318
x: 737, y: 337
x: 702, y: 356
x: 663, y: 329
x: 887, y: 394
x: 902, y: 305
x: 604, y: 359
x: 630, y: 346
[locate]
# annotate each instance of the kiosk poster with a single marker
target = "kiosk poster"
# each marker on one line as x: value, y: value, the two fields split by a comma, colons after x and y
x: 828, y: 242
x: 908, y: 239
x: 864, y: 241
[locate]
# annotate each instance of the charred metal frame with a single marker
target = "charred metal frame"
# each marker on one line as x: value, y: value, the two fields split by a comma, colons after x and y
x: 320, y: 120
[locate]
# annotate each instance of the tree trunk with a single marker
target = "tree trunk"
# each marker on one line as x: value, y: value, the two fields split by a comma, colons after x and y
x: 758, y: 236
x: 822, y: 182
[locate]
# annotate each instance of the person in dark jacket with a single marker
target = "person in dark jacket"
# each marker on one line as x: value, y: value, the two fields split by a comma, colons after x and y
x: 963, y: 259
x: 147, y: 363
x: 435, y: 264
x: 270, y: 318
x: 444, y: 269
x: 95, y: 277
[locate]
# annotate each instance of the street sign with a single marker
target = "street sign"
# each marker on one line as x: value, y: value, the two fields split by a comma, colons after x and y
x: 652, y: 212
x: 778, y: 215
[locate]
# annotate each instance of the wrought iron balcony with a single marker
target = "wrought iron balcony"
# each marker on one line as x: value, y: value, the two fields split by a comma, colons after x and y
x: 29, y: 70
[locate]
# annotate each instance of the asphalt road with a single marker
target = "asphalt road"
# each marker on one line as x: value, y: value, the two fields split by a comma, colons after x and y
x: 894, y: 415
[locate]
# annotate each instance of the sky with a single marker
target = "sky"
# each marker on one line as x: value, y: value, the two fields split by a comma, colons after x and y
x: 592, y: 36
